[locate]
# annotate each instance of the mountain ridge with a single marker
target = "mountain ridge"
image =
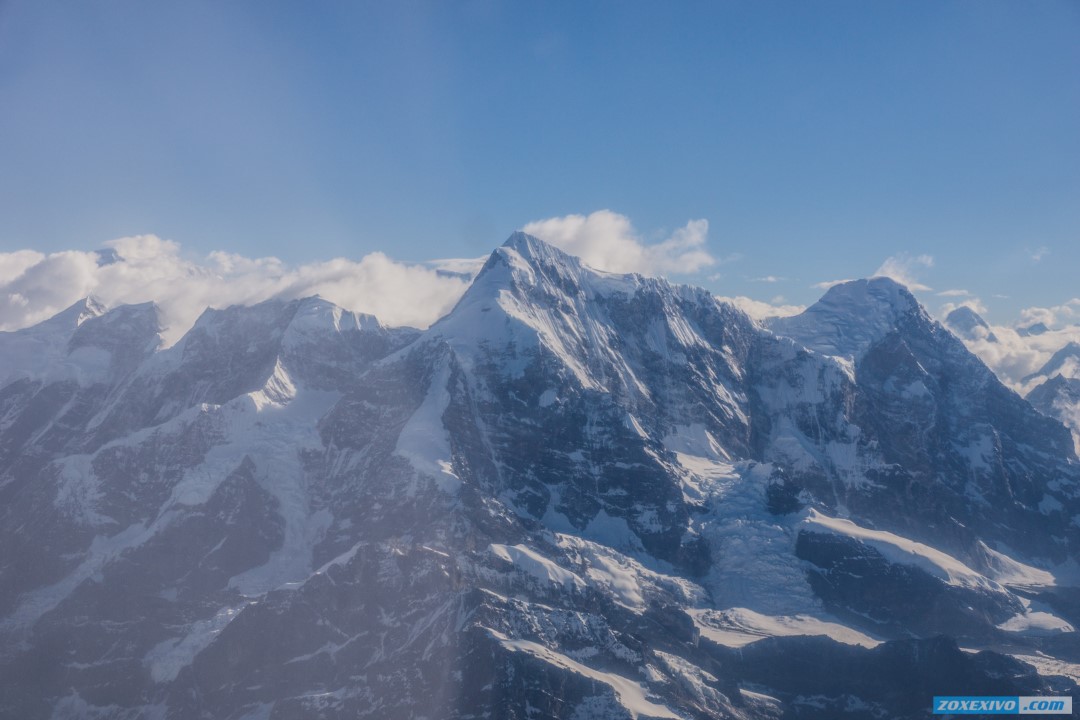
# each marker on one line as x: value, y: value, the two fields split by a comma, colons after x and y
x: 594, y: 495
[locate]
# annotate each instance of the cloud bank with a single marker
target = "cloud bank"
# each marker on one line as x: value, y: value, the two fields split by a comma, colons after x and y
x: 1012, y: 352
x: 606, y: 240
x: 34, y: 286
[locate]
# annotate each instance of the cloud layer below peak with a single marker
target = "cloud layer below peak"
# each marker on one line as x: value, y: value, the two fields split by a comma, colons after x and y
x: 145, y: 268
x: 34, y: 286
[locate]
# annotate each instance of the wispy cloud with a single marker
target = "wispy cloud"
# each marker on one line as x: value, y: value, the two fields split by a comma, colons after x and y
x: 954, y: 293
x: 767, y: 279
x: 903, y: 268
x: 1039, y: 253
x: 826, y: 284
x: 760, y: 310
x: 466, y: 268
x: 608, y: 241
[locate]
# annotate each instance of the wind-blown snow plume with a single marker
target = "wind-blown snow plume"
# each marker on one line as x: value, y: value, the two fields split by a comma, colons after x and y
x: 902, y: 268
x: 34, y: 286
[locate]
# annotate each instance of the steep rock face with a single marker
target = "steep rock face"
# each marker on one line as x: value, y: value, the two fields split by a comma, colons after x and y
x: 965, y: 441
x: 598, y: 370
x: 578, y: 495
x: 962, y: 454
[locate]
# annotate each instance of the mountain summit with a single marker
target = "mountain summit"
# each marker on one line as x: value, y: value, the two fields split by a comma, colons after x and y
x: 851, y: 316
x: 579, y: 494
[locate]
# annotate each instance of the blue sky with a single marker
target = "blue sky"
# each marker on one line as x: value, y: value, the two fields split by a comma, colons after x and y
x: 816, y: 138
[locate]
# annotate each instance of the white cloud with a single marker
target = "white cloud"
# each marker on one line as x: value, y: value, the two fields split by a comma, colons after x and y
x: 767, y: 279
x: 1039, y: 253
x: 464, y: 267
x: 902, y: 268
x: 607, y: 240
x: 12, y: 265
x: 1013, y: 356
x: 759, y: 309
x: 826, y: 284
x: 1032, y: 315
x: 954, y: 293
x: 34, y: 286
x: 1050, y: 316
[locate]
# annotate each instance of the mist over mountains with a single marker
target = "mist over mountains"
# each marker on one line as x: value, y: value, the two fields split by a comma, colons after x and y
x: 578, y: 494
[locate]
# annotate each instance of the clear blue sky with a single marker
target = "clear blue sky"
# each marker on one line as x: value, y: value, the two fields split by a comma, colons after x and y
x: 816, y: 138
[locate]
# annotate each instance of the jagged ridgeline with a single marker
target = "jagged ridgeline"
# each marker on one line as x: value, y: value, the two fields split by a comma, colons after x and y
x: 578, y: 495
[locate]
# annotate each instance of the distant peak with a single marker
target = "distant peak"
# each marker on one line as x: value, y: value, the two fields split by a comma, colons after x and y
x: 965, y: 317
x: 1059, y: 362
x: 107, y: 256
x: 969, y: 325
x: 1038, y: 328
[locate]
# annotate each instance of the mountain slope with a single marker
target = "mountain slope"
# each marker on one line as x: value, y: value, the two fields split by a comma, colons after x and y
x: 577, y: 495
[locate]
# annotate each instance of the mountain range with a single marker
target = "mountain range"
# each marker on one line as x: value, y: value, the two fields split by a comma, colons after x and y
x: 578, y: 495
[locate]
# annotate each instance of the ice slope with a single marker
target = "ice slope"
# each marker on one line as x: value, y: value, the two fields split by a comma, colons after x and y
x: 901, y: 550
x: 82, y: 344
x: 631, y: 695
x: 737, y: 627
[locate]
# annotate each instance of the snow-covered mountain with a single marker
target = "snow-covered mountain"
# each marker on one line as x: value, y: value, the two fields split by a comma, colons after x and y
x: 969, y: 325
x: 578, y: 495
x: 1057, y: 393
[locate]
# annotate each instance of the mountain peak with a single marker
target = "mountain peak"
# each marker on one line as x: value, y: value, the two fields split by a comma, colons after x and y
x: 97, y: 325
x: 538, y: 252
x: 75, y: 314
x: 966, y: 318
x: 523, y: 242
x: 879, y: 292
x: 850, y: 317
